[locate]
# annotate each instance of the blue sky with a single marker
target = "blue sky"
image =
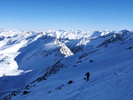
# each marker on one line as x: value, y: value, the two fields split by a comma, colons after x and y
x: 66, y: 14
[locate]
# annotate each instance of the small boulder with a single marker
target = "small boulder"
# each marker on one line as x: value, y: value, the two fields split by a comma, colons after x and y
x: 91, y: 60
x: 25, y: 92
x: 49, y: 92
x: 70, y: 82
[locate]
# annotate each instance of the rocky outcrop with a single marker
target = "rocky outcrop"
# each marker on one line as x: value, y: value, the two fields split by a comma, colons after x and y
x: 65, y: 50
x: 57, y: 41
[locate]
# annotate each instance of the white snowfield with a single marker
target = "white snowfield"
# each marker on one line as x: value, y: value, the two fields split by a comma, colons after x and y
x: 51, y: 65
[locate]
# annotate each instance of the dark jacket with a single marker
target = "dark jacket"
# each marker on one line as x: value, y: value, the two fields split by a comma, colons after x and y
x: 87, y: 74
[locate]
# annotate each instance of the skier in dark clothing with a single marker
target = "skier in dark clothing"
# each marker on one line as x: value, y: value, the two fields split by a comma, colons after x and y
x: 88, y: 75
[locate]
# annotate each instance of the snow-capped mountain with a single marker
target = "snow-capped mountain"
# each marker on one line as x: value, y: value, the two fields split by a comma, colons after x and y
x: 51, y: 65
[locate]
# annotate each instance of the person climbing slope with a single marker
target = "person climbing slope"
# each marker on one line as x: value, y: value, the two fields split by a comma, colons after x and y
x: 88, y: 75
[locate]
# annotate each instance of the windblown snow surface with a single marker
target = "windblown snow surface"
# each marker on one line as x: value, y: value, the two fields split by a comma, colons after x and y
x: 51, y: 65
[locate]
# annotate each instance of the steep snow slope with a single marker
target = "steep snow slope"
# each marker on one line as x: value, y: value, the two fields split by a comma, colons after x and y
x: 48, y: 60
x: 10, y: 43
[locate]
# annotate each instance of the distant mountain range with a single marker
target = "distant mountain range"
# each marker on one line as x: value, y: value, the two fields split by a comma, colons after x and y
x: 51, y: 65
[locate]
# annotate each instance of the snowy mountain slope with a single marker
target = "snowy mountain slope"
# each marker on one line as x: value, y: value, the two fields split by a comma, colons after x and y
x: 45, y: 71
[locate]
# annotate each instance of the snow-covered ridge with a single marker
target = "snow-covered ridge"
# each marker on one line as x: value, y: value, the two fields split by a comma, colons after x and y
x: 63, y: 34
x: 47, y: 42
